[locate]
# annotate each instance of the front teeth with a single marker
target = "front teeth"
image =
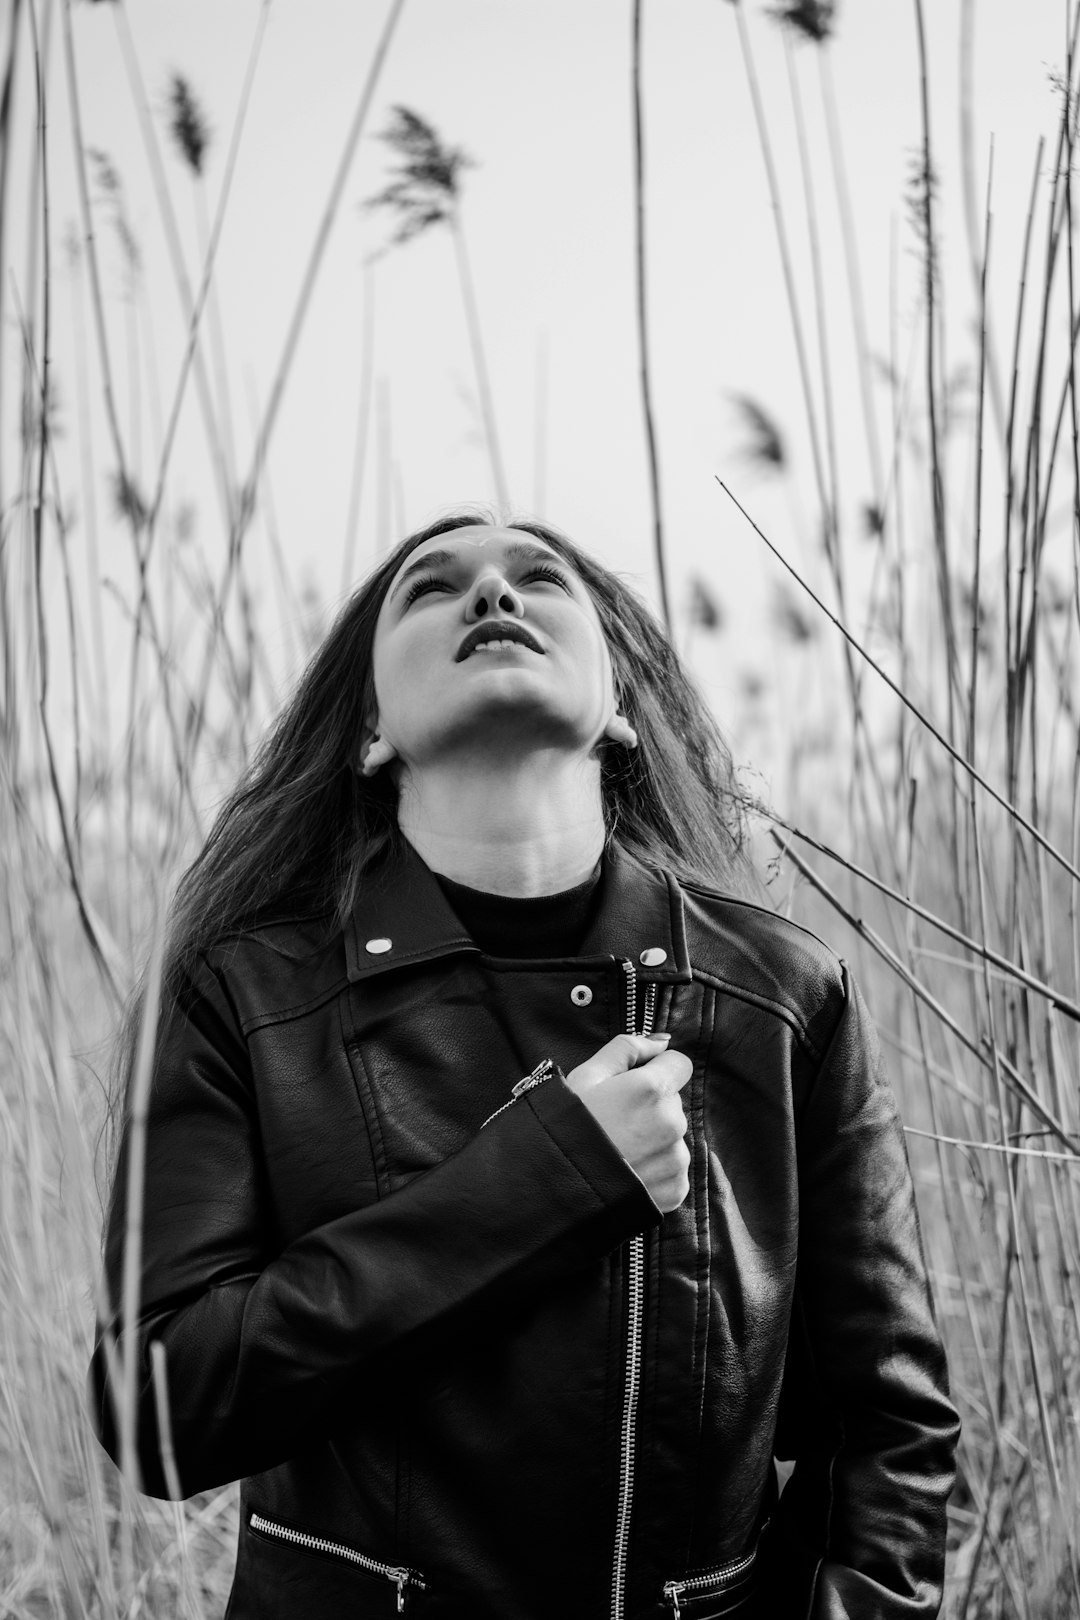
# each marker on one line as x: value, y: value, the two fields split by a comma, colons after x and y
x: 484, y: 646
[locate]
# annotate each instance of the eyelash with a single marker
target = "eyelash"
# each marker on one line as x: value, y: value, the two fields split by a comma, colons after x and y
x: 426, y: 581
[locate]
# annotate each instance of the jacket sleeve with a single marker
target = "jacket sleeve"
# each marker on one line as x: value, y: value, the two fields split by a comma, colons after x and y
x: 877, y: 1358
x: 260, y: 1345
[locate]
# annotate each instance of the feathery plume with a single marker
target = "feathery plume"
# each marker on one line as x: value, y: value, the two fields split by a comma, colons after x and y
x: 127, y: 501
x: 426, y: 185
x: 813, y: 19
x: 765, y: 442
x: 41, y: 417
x: 873, y: 521
x: 790, y: 619
x: 706, y: 612
x: 188, y: 124
x: 111, y: 187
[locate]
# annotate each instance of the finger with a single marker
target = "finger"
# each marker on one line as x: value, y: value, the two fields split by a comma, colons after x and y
x: 626, y: 1051
x: 674, y: 1117
x: 642, y: 1048
x: 619, y: 1055
x: 671, y: 1070
x: 671, y: 1196
x: 668, y: 1188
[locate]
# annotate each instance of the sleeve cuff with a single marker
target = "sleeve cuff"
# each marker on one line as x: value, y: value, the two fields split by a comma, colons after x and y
x: 589, y: 1148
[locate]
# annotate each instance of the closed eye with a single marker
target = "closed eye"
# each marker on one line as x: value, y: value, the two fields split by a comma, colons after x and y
x: 432, y: 582
x: 426, y: 582
x: 542, y: 571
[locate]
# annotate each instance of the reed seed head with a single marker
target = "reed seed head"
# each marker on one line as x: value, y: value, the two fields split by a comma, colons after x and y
x: 426, y: 185
x: 790, y: 619
x: 813, y: 19
x: 111, y: 188
x: 41, y: 417
x: 106, y: 173
x: 188, y: 124
x: 128, y: 503
x: 706, y: 612
x: 764, y: 444
x: 873, y: 521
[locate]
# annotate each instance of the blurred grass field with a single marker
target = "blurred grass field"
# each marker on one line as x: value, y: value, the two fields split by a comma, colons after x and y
x: 929, y: 828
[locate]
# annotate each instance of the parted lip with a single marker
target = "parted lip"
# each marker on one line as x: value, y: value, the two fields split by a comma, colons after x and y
x: 497, y: 630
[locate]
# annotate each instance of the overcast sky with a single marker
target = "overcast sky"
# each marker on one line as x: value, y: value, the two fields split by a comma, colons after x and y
x: 538, y: 93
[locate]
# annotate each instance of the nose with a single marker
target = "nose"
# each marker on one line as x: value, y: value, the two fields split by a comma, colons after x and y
x: 491, y: 593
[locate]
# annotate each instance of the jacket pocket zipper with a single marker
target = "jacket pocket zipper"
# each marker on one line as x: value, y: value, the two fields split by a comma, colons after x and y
x: 299, y: 1538
x: 542, y: 1072
x: 635, y: 1324
x: 712, y: 1583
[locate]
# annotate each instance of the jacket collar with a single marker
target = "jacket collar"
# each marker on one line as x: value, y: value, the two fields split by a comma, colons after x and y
x: 402, y: 917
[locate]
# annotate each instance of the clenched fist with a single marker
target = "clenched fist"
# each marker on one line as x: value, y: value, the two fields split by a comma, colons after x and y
x: 631, y: 1087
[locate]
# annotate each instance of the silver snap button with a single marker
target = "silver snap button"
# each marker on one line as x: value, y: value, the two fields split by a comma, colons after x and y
x: 652, y: 957
x: 376, y: 947
x: 581, y: 995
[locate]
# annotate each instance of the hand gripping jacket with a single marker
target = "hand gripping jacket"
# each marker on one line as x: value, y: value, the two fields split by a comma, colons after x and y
x: 459, y: 1360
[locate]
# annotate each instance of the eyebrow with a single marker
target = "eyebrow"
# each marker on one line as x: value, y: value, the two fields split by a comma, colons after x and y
x: 516, y: 552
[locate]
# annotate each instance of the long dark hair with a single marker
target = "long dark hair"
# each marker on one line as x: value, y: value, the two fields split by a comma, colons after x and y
x: 302, y: 826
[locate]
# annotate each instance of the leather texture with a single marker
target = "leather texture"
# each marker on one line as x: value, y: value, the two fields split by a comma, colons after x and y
x: 405, y: 1330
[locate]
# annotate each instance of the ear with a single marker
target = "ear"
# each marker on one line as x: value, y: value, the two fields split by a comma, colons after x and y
x: 379, y: 752
x: 619, y: 730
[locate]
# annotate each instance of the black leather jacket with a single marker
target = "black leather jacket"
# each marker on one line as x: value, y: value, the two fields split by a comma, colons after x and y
x: 460, y: 1361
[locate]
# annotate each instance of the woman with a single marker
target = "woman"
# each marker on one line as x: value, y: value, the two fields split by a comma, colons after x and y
x: 498, y: 1304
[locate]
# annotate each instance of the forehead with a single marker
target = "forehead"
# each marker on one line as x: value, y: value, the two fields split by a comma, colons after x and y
x: 484, y: 538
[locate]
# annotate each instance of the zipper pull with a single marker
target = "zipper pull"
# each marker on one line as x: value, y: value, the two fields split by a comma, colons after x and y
x: 401, y: 1580
x: 671, y: 1592
x: 541, y: 1073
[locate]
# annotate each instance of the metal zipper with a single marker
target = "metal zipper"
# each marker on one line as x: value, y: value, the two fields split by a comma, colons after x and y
x: 635, y: 1324
x: 541, y: 1073
x: 299, y: 1538
x: 726, y: 1573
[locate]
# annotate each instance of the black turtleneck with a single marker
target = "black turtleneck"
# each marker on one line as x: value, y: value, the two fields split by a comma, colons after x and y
x: 542, y: 925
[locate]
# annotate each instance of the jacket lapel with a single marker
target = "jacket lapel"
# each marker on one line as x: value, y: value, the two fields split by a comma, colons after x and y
x: 402, y: 917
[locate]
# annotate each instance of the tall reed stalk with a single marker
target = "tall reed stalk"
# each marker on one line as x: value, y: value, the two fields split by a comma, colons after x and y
x: 644, y: 366
x: 89, y: 838
x: 425, y: 191
x: 986, y: 1060
x: 934, y: 838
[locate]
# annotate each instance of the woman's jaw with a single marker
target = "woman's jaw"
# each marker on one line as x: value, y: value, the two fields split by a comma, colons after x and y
x: 496, y: 753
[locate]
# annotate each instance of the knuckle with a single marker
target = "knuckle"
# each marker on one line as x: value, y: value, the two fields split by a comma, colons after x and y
x: 660, y: 1188
x: 676, y: 1164
x: 676, y: 1120
x: 672, y: 1134
x: 672, y: 1192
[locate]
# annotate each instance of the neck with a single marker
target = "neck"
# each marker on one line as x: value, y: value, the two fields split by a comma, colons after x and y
x: 530, y: 827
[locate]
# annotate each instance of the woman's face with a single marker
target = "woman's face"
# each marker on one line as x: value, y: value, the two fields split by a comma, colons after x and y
x: 439, y: 693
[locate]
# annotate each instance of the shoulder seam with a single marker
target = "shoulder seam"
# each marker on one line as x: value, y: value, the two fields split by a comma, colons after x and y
x: 763, y: 911
x: 786, y: 1014
x: 282, y: 1015
x: 257, y: 933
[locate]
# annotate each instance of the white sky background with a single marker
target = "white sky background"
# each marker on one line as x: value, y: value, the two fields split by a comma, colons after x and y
x: 539, y: 93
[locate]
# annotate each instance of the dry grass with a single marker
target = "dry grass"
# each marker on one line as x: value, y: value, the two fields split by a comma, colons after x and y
x: 955, y: 790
